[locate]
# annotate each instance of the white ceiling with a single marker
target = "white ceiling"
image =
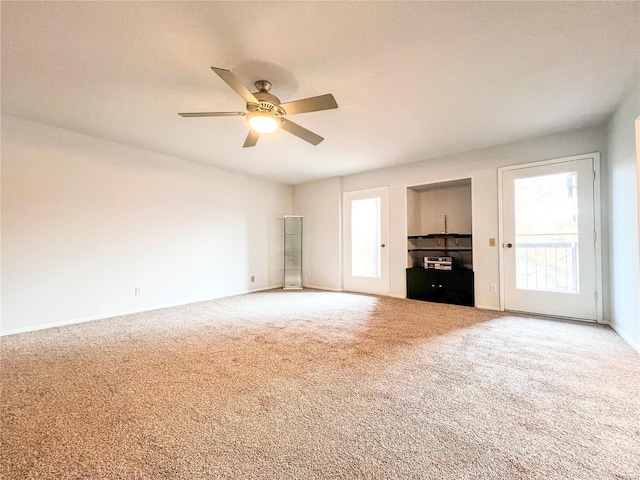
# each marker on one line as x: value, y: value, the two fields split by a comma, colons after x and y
x: 413, y: 80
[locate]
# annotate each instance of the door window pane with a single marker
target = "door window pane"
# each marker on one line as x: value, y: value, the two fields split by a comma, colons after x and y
x: 365, y: 237
x: 546, y: 211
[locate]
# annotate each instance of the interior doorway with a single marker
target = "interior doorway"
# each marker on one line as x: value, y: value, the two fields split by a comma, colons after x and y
x: 549, y: 237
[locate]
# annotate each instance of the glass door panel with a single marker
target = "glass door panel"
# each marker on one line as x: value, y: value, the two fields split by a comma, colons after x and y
x: 365, y: 237
x: 546, y: 224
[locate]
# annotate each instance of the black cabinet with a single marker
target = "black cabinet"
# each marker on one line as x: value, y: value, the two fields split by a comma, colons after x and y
x: 443, y: 286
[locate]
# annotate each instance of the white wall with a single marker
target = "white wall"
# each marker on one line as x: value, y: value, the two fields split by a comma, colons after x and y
x: 85, y: 221
x: 414, y: 209
x: 623, y: 171
x: 320, y: 203
x: 434, y: 204
x: 481, y: 166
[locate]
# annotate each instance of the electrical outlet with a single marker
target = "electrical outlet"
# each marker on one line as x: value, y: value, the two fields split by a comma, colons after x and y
x: 253, y: 278
x: 493, y: 288
x: 492, y: 242
x: 137, y: 291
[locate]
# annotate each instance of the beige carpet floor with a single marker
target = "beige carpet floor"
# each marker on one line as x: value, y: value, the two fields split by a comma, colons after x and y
x: 279, y: 385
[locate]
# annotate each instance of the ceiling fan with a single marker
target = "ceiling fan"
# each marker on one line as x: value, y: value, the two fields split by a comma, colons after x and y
x: 265, y: 113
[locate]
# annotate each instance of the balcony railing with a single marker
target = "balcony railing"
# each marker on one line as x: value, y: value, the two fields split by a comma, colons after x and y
x: 547, y: 262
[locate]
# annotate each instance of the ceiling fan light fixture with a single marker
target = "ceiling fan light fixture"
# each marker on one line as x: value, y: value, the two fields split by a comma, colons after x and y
x: 263, y: 122
x: 265, y: 113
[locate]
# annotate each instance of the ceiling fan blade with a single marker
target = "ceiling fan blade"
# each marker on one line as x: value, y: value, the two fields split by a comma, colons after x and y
x: 231, y: 80
x: 313, y: 104
x: 301, y: 132
x: 252, y: 139
x: 212, y: 114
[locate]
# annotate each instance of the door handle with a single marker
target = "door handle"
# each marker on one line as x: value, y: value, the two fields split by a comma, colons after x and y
x: 509, y: 245
x: 382, y: 245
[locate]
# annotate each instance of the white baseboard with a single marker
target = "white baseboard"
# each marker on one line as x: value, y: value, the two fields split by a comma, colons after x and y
x: 260, y: 289
x: 626, y: 338
x: 64, y: 323
x: 331, y: 289
x: 485, y: 307
x: 120, y: 314
x: 318, y: 287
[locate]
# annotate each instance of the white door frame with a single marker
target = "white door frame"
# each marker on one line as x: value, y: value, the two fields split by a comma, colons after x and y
x: 385, y: 265
x: 595, y: 156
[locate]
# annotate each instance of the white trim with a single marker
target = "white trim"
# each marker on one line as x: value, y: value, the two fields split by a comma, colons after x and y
x: 550, y: 161
x: 485, y: 307
x: 598, y: 243
x: 64, y: 323
x: 549, y: 317
x: 597, y: 217
x: 474, y: 243
x: 318, y: 287
x: 500, y: 242
x: 406, y: 234
x: 249, y: 291
x: 395, y: 295
x: 340, y: 238
x: 625, y: 337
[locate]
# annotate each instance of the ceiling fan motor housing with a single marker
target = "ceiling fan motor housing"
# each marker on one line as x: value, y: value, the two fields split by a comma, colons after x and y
x: 267, y: 102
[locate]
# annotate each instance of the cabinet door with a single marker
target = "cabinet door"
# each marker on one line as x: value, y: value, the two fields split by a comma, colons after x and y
x: 457, y: 287
x: 422, y: 284
x: 415, y: 284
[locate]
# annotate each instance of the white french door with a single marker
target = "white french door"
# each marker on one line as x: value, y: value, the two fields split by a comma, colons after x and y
x: 365, y: 256
x: 549, y: 238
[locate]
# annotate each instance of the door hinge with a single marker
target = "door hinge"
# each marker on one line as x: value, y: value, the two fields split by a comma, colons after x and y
x: 595, y: 236
x: 595, y: 296
x: 594, y: 176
